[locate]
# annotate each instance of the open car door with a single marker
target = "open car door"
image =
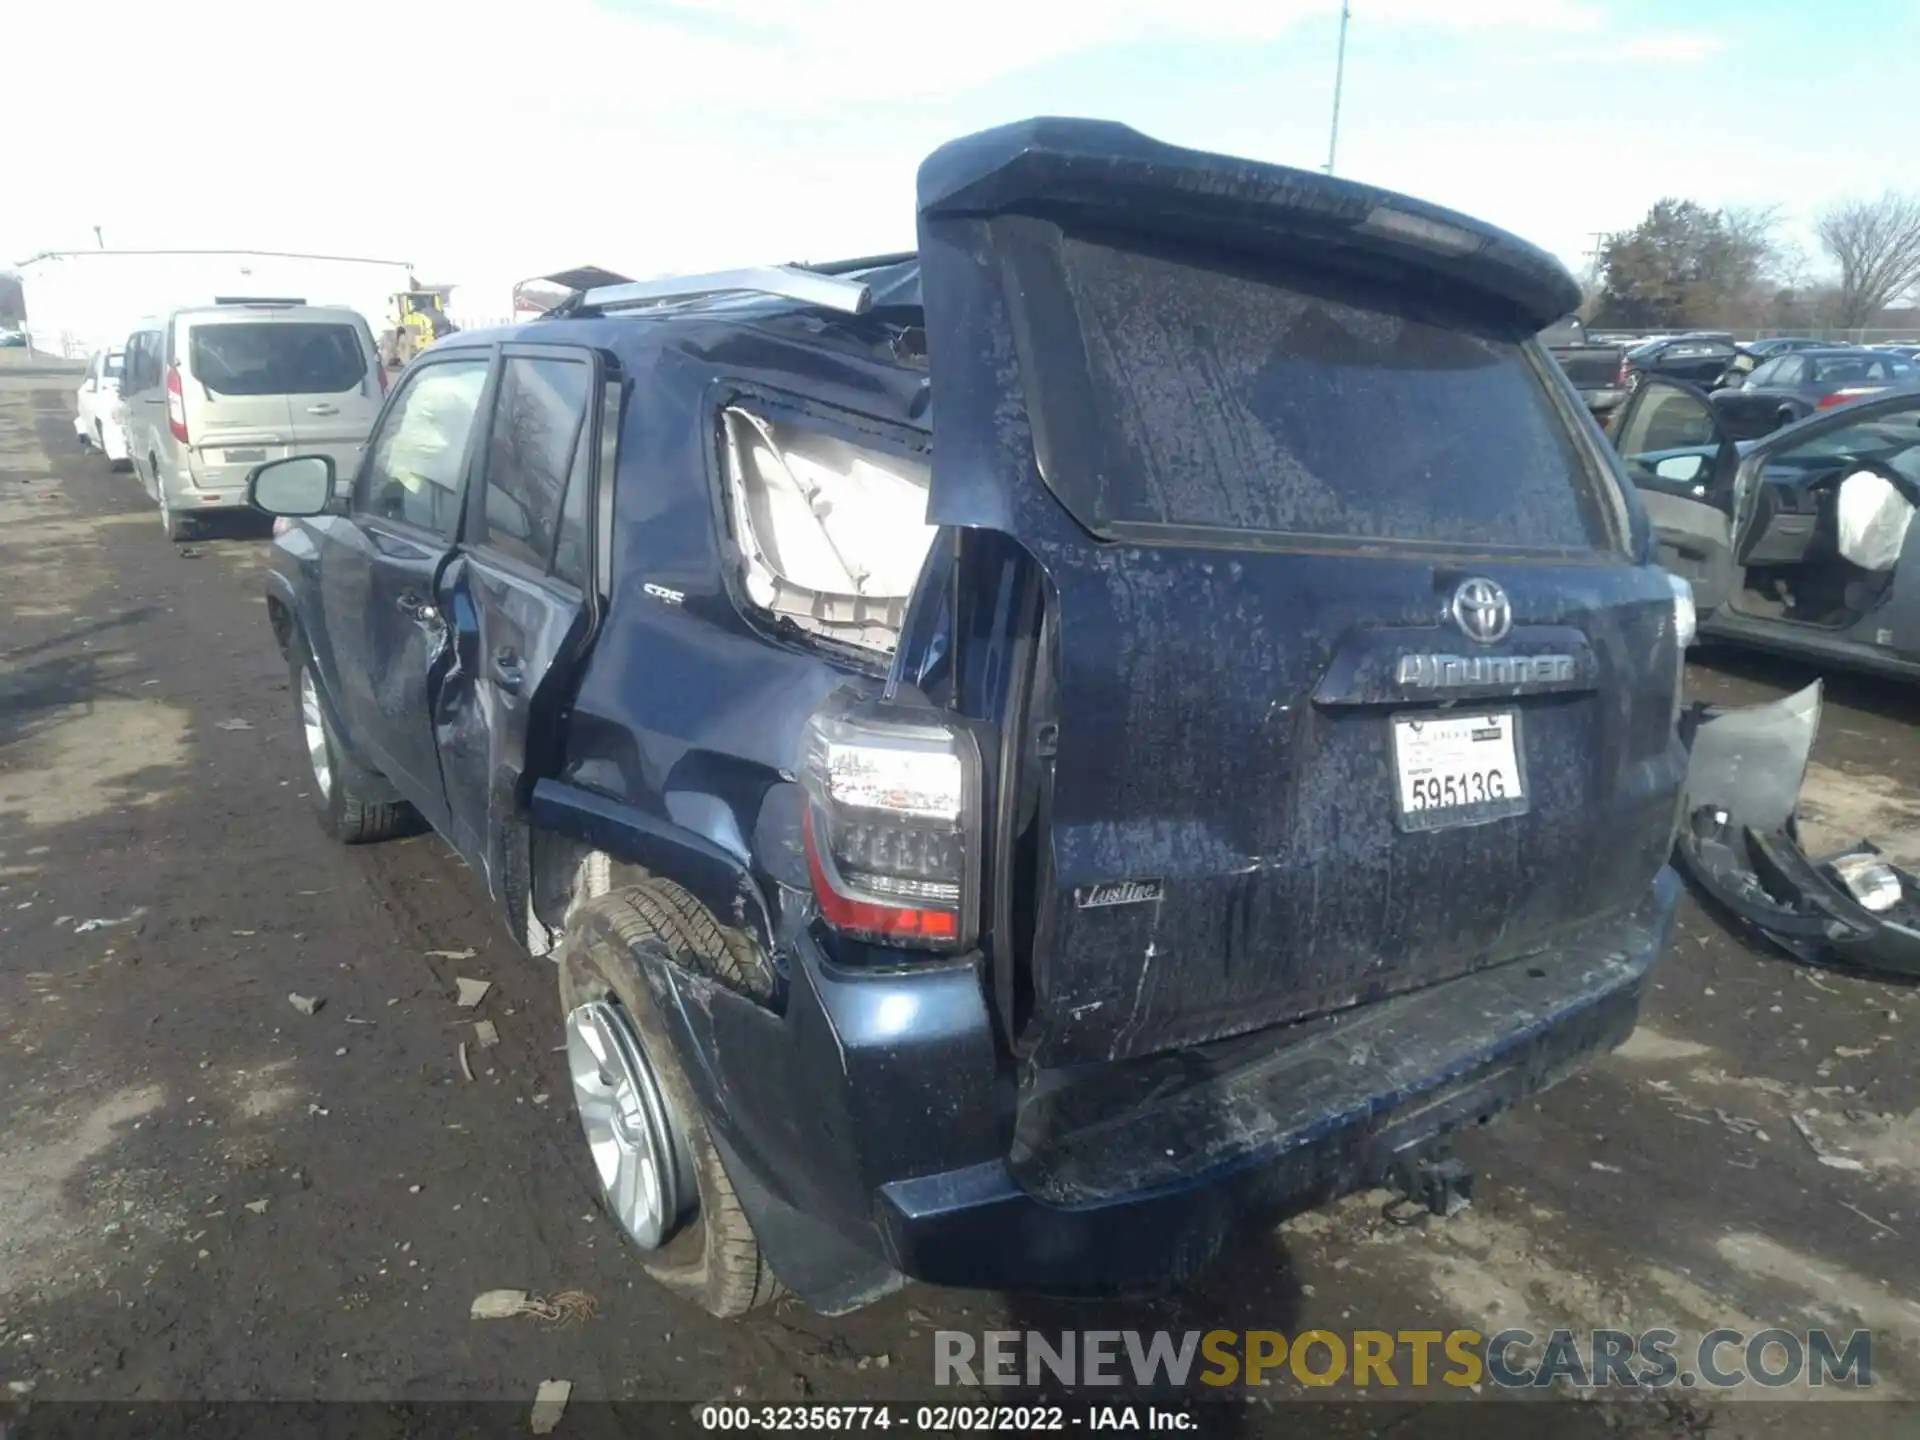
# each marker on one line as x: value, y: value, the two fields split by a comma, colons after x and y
x: 1684, y: 462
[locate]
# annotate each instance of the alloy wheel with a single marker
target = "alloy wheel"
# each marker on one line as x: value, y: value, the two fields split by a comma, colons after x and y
x: 313, y: 727
x: 645, y: 1168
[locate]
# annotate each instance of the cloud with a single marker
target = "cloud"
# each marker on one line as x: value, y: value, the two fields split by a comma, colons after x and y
x: 489, y: 142
x: 1674, y: 49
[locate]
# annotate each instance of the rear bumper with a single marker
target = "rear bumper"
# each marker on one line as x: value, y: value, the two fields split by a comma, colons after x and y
x: 1602, y: 402
x: 205, y: 487
x: 1104, y: 1195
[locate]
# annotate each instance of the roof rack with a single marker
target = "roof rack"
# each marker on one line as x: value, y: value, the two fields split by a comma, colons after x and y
x: 810, y: 287
x: 864, y: 262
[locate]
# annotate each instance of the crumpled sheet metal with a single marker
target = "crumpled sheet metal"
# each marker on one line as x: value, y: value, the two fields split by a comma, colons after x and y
x: 1739, y: 841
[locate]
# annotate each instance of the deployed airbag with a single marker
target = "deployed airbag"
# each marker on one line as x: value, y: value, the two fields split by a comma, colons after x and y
x: 1873, y: 519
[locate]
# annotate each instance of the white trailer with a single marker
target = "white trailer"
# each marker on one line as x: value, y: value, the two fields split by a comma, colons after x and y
x: 78, y: 301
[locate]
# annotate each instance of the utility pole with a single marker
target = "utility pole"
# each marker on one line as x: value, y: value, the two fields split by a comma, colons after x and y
x: 1339, y: 77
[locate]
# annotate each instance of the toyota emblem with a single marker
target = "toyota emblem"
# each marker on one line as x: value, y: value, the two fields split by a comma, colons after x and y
x: 1481, y: 610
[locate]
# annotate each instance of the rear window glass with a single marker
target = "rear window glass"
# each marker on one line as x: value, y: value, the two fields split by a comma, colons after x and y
x: 260, y: 358
x: 1564, y: 332
x: 1313, y: 409
x: 115, y: 363
x: 1830, y: 368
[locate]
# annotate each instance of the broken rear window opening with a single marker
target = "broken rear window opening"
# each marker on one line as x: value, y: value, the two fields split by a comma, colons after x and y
x: 276, y: 358
x: 1228, y: 399
x: 833, y: 534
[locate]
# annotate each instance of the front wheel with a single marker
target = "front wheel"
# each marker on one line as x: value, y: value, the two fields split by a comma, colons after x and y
x: 345, y: 812
x: 660, y: 1175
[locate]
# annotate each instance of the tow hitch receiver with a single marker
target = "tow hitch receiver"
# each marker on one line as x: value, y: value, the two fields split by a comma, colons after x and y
x: 1439, y: 1185
x: 1740, y: 841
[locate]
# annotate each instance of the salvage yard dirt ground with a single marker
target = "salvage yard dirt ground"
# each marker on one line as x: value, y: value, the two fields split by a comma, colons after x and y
x: 207, y: 1193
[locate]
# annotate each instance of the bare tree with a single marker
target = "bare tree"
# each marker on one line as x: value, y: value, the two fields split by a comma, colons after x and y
x: 1876, y: 244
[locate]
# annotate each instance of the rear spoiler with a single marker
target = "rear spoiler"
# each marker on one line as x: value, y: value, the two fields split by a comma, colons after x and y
x: 1101, y: 174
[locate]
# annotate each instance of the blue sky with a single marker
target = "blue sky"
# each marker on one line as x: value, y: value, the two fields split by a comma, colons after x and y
x: 653, y: 136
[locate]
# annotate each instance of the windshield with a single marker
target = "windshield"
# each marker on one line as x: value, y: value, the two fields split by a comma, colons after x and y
x: 1282, y: 403
x: 1891, y: 438
x: 112, y: 368
x: 277, y: 358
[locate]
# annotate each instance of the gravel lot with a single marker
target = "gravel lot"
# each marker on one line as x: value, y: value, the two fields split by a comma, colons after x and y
x: 206, y: 1194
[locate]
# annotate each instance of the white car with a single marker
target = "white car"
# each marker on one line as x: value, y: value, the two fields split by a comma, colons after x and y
x: 96, y: 422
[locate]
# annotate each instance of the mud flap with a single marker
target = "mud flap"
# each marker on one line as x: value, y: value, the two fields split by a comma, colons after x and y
x: 1740, y: 842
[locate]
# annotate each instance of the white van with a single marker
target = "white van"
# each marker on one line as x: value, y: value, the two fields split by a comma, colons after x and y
x: 211, y: 393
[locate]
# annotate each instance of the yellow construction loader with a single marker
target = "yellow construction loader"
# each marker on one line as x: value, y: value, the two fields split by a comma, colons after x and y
x: 418, y: 318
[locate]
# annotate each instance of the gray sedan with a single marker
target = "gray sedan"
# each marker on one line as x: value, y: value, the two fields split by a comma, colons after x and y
x: 1793, y: 386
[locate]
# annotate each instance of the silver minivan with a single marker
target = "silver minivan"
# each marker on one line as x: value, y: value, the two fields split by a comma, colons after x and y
x: 211, y: 393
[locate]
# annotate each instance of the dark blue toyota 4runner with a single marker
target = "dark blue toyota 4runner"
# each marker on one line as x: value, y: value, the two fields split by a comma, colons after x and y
x: 1029, y: 756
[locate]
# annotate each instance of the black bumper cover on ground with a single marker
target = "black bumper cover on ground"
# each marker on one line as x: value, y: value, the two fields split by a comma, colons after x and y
x: 1741, y: 844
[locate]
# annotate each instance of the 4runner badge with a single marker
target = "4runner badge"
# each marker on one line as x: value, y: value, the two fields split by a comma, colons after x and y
x: 1119, y: 892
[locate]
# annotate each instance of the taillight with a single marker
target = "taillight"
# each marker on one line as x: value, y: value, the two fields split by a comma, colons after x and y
x: 1848, y: 396
x: 1623, y: 373
x: 893, y: 825
x: 176, y: 405
x: 381, y: 368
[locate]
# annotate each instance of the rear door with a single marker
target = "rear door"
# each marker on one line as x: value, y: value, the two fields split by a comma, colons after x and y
x: 142, y: 403
x: 1361, y: 678
x: 522, y: 595
x: 388, y: 637
x: 266, y: 383
x: 334, y: 390
x: 1702, y: 362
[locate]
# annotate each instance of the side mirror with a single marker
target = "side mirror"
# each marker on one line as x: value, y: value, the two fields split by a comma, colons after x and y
x: 298, y: 486
x: 1681, y: 468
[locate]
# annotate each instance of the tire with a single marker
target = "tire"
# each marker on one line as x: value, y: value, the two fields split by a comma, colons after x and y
x: 713, y: 1258
x: 100, y: 435
x: 178, y: 527
x: 345, y: 812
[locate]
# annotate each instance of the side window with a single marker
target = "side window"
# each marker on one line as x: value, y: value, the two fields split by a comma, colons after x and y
x: 534, y: 456
x: 1766, y: 374
x: 1792, y: 371
x: 417, y: 463
x: 570, y: 547
x: 1663, y: 418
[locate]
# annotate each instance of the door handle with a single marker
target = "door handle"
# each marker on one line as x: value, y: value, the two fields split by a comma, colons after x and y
x: 414, y: 607
x: 506, y: 669
x: 323, y: 409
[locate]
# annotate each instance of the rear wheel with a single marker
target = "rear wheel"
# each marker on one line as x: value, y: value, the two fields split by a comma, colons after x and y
x: 659, y: 1173
x: 178, y: 527
x: 345, y: 811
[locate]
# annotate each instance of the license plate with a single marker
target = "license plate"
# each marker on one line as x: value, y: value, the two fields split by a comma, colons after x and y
x: 1457, y: 769
x: 236, y: 457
